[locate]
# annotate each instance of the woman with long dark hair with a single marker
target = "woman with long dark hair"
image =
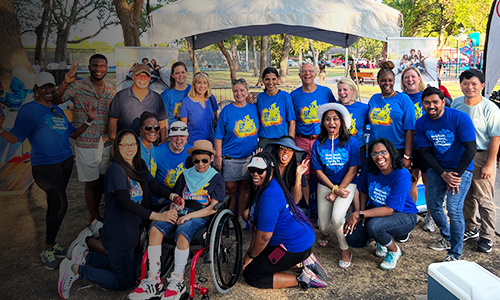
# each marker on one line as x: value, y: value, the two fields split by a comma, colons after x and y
x: 335, y: 159
x: 282, y: 235
x: 177, y: 90
x: 128, y: 184
x: 385, y: 208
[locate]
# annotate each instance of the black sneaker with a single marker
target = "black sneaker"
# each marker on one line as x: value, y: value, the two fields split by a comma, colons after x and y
x: 472, y: 234
x: 484, y: 245
x: 404, y: 238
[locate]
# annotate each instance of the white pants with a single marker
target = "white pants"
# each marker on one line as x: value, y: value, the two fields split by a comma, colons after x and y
x: 92, y: 162
x: 331, y: 216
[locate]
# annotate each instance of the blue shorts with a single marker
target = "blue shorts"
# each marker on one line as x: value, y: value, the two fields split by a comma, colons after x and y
x: 188, y: 229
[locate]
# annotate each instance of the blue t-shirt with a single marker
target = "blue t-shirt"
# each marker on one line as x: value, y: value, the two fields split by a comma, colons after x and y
x: 337, y: 165
x: 47, y: 130
x: 200, y: 120
x: 271, y: 214
x: 392, y: 190
x: 149, y: 156
x: 172, y: 99
x: 419, y: 110
x: 275, y: 113
x: 170, y: 164
x: 237, y: 129
x: 359, y: 120
x: 305, y: 106
x: 446, y: 135
x: 391, y: 117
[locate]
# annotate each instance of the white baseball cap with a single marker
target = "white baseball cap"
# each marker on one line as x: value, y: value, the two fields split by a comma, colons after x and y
x: 43, y: 78
x: 178, y: 128
x: 257, y: 162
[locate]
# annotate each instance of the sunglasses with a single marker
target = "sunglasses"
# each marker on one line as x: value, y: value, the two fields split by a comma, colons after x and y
x: 197, y: 161
x: 125, y: 146
x: 374, y: 154
x: 58, y: 114
x: 256, y: 170
x: 178, y: 128
x: 286, y: 148
x: 151, y: 128
x: 236, y: 81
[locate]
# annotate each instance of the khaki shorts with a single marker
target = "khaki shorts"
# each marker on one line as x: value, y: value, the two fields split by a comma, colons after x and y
x: 92, y: 162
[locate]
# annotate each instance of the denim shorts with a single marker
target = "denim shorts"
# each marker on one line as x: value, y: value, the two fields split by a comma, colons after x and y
x: 235, y: 169
x: 188, y: 229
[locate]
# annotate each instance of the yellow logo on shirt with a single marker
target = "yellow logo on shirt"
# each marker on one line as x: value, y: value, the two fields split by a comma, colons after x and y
x: 271, y: 116
x: 177, y: 109
x: 309, y: 114
x: 381, y: 116
x: 418, y: 110
x: 201, y: 195
x: 245, y: 127
x: 353, y: 129
x: 173, y: 175
x: 153, y: 167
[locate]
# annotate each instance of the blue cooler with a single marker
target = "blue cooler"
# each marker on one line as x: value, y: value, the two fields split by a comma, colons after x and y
x: 421, y: 206
x: 463, y: 280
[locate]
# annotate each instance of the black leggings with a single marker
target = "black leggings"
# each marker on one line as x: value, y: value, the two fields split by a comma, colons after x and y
x: 259, y: 273
x: 53, y: 179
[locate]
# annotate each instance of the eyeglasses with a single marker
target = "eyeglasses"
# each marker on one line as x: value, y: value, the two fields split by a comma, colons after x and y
x: 58, y: 114
x: 374, y: 154
x: 178, y: 128
x: 286, y: 148
x: 197, y: 161
x: 256, y: 170
x: 150, y: 128
x: 236, y: 81
x: 125, y: 146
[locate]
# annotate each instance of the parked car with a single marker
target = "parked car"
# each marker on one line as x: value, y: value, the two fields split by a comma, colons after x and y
x: 292, y: 63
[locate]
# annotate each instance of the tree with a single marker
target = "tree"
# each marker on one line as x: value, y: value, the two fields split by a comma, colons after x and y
x: 366, y: 48
x: 287, y: 40
x: 317, y: 48
x: 264, y: 43
x: 229, y: 59
x: 130, y: 15
x: 298, y: 46
x: 11, y: 47
x: 254, y: 52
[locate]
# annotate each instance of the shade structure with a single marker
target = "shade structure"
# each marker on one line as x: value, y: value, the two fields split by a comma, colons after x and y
x: 338, y: 22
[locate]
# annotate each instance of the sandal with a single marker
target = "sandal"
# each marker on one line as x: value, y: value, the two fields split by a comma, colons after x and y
x: 323, y: 241
x: 345, y: 264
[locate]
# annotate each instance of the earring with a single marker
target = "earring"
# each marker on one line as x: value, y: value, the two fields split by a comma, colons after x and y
x: 35, y: 95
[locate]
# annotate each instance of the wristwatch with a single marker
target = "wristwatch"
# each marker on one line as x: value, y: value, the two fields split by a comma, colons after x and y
x: 407, y: 157
x: 361, y: 214
x: 2, y: 130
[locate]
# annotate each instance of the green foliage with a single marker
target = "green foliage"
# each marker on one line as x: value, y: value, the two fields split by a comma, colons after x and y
x: 299, y: 44
x: 366, y: 48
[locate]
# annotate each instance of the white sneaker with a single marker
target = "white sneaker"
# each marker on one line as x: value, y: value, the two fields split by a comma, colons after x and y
x: 429, y: 225
x: 381, y: 251
x: 95, y: 227
x: 176, y: 287
x: 77, y: 255
x: 148, y: 288
x: 80, y: 240
x: 391, y: 259
x: 242, y: 222
x: 66, y: 278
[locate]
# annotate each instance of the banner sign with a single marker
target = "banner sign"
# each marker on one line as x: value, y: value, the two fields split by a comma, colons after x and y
x: 491, y: 49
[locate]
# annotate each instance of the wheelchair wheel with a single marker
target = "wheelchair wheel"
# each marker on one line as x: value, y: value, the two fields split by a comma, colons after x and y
x: 226, y: 247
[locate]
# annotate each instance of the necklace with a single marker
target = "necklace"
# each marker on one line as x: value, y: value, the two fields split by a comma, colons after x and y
x: 392, y: 94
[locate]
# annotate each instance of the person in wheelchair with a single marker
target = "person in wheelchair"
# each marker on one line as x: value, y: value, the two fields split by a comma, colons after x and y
x: 282, y: 235
x: 128, y: 184
x: 201, y: 187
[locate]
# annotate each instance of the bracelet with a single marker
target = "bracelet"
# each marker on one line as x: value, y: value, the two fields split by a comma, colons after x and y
x: 2, y: 130
x: 250, y: 254
x: 407, y: 157
x: 334, y: 187
x: 89, y: 123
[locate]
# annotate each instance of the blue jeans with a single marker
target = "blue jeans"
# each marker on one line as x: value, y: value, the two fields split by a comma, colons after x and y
x: 117, y: 271
x: 453, y: 232
x: 188, y: 229
x: 382, y: 229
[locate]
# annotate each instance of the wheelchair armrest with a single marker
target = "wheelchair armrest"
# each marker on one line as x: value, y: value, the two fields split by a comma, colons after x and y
x: 221, y: 204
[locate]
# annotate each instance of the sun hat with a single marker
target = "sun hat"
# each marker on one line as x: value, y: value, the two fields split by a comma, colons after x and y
x: 288, y: 142
x: 201, y: 145
x: 43, y: 78
x: 257, y: 162
x: 142, y: 68
x: 337, y: 107
x: 181, y: 129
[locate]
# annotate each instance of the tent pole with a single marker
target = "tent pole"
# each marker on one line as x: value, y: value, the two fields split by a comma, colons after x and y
x: 194, y: 56
x: 346, y: 58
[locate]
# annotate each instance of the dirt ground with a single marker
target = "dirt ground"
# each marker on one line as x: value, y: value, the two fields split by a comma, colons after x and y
x: 23, y: 276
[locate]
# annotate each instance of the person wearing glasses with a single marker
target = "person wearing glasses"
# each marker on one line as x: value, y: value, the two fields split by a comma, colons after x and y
x: 235, y: 140
x: 177, y: 91
x: 335, y: 159
x: 128, y: 188
x: 282, y: 235
x: 171, y: 156
x: 149, y: 128
x: 199, y: 110
x: 48, y: 131
x: 385, y: 208
x: 275, y: 108
x: 201, y: 187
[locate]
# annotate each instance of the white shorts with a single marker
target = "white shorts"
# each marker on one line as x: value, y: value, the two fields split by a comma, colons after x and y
x: 92, y: 162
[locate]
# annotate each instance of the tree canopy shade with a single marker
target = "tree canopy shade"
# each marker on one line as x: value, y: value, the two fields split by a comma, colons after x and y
x: 338, y: 22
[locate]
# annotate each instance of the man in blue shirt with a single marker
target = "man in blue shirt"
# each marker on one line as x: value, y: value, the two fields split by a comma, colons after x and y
x: 451, y: 136
x: 306, y: 100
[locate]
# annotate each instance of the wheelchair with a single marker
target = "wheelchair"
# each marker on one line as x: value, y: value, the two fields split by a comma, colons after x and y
x: 220, y: 244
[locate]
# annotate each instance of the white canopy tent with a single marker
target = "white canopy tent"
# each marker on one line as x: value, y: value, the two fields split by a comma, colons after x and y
x: 338, y: 22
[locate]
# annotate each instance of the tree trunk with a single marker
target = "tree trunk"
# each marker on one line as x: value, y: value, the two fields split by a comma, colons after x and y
x: 230, y: 62
x: 315, y: 55
x: 129, y: 16
x: 300, y: 58
x: 234, y: 54
x: 11, y: 48
x: 263, y: 57
x: 40, y: 29
x: 61, y: 45
x: 287, y: 42
x: 194, y: 61
x: 254, y: 52
x: 49, y: 30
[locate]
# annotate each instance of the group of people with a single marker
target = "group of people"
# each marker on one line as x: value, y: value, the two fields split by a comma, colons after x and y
x: 143, y: 151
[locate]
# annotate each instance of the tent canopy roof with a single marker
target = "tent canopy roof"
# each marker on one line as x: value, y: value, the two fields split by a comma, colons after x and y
x: 338, y: 22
